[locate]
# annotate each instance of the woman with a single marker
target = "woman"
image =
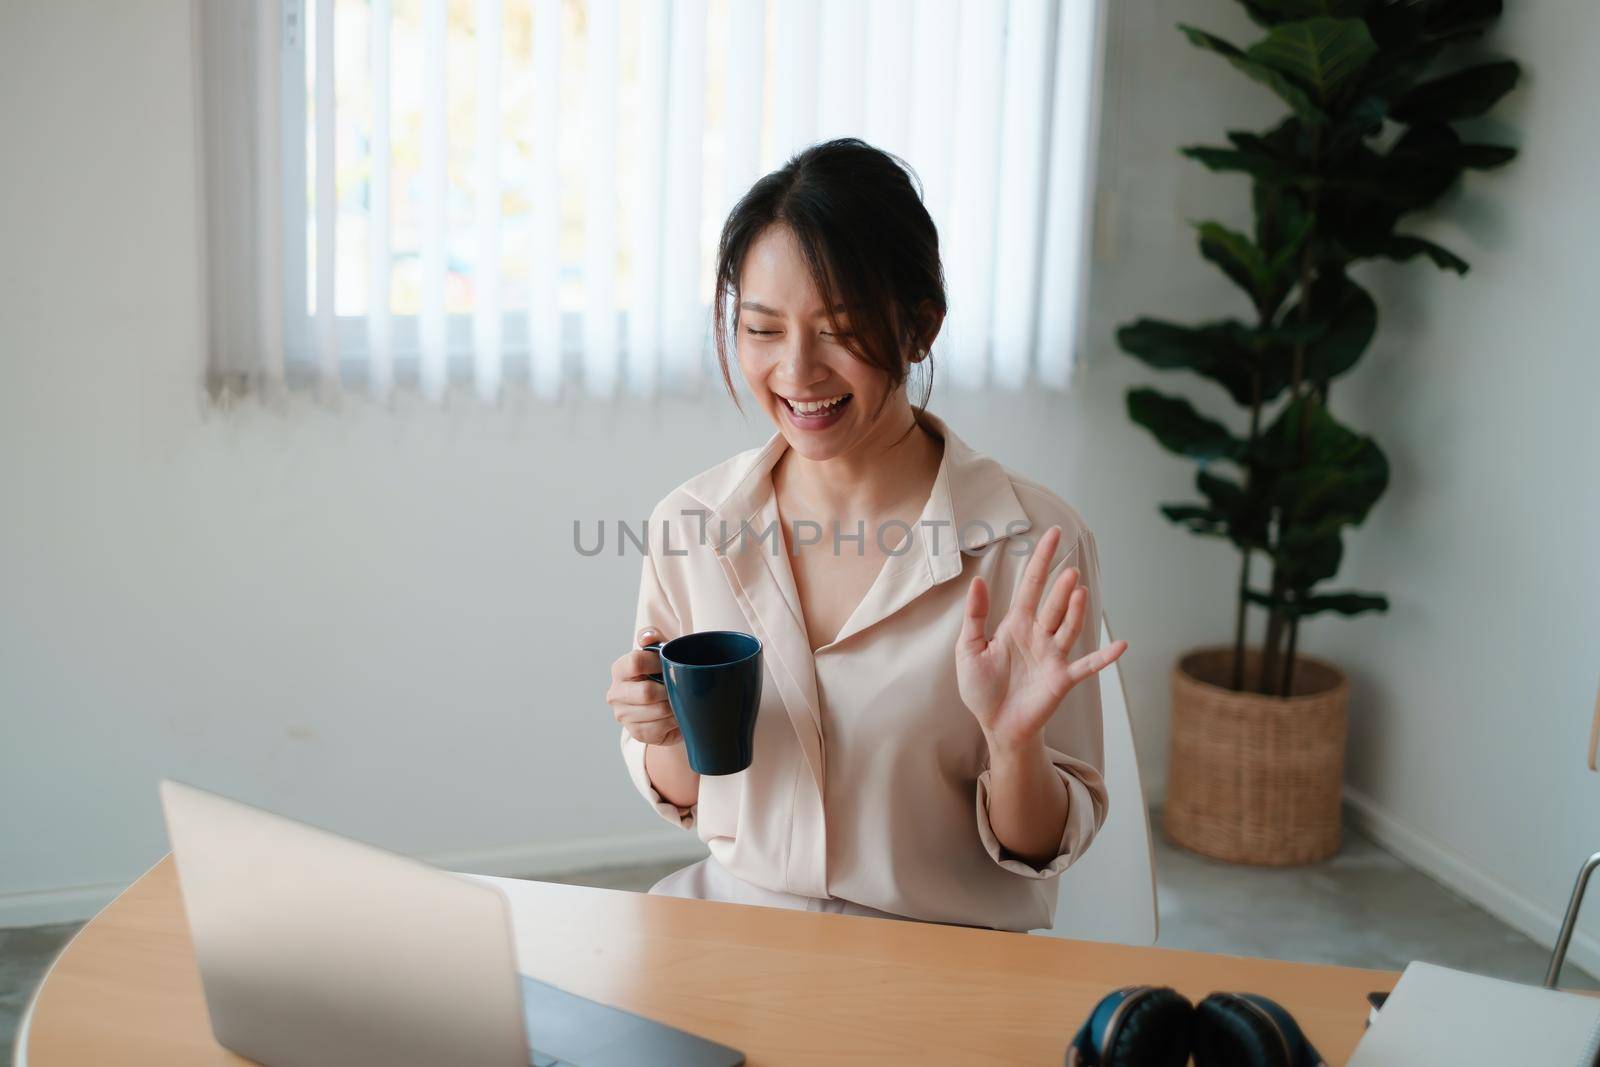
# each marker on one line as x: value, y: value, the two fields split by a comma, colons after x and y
x: 907, y: 762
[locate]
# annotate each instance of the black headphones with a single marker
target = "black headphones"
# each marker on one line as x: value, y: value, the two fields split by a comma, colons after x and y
x: 1156, y: 1026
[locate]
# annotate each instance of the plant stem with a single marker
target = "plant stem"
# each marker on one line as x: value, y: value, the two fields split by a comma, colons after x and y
x: 1274, y: 639
x: 1288, y: 663
x: 1299, y: 393
x: 1239, y: 623
x: 1244, y: 565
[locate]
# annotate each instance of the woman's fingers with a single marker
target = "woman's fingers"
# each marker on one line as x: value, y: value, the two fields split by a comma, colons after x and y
x: 641, y: 708
x: 647, y: 662
x: 1054, y: 608
x: 1038, y: 570
x: 634, y: 665
x: 637, y: 715
x: 975, y: 621
x: 1096, y: 661
x: 639, y: 702
x: 664, y: 732
x: 631, y: 715
x: 638, y: 693
x: 668, y: 735
x: 1071, y: 628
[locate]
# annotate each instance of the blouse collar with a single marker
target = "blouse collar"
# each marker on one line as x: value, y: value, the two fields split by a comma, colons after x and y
x: 972, y: 498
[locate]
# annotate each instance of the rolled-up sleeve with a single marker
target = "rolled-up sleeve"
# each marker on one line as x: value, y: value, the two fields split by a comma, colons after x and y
x: 655, y: 610
x: 633, y: 756
x: 1086, y: 813
x: 1073, y: 740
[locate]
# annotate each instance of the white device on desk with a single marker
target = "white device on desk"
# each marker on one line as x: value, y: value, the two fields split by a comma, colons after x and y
x: 1437, y: 1017
x: 314, y: 949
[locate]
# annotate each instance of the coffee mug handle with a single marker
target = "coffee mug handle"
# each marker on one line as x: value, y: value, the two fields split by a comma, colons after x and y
x: 655, y: 647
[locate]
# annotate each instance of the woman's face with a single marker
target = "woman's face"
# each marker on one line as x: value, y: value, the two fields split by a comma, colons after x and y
x: 821, y: 397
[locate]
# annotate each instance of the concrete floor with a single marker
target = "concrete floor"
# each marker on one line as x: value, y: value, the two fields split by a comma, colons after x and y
x: 1364, y: 908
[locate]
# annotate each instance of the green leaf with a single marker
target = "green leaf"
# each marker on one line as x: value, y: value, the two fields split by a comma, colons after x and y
x: 1179, y: 427
x: 1485, y: 156
x: 1169, y: 346
x: 1281, y: 156
x: 1426, y: 162
x: 1396, y: 28
x: 1290, y: 142
x: 1420, y: 167
x: 1355, y: 217
x: 1237, y: 257
x: 1230, y: 511
x: 1260, y: 14
x: 1395, y: 69
x: 1246, y: 516
x: 1224, y: 495
x: 1266, y: 278
x: 1300, y: 9
x: 1270, y: 13
x: 1351, y: 328
x: 1306, y: 555
x: 1291, y: 94
x: 1227, y: 352
x: 1322, y: 474
x: 1258, y: 165
x: 1343, y: 603
x: 1197, y: 519
x: 1304, y: 605
x: 1410, y: 36
x: 1283, y: 225
x: 1319, y: 53
x: 1363, y: 119
x: 1463, y: 95
x: 1401, y: 246
x: 1446, y: 17
x: 1350, y: 316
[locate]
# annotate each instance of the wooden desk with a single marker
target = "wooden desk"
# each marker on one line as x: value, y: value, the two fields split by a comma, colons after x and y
x: 786, y: 987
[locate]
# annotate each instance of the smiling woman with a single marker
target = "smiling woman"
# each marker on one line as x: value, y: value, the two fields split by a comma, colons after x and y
x: 908, y: 762
x: 872, y: 286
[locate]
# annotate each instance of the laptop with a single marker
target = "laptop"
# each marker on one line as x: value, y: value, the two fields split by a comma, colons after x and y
x: 314, y: 949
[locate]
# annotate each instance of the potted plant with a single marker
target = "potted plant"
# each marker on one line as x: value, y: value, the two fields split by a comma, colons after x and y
x: 1258, y: 731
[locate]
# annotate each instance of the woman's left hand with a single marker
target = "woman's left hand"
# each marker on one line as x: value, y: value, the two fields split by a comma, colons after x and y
x: 1013, y: 682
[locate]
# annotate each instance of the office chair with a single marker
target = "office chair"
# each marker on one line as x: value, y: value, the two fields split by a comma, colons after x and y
x: 1569, y: 922
x: 1110, y: 894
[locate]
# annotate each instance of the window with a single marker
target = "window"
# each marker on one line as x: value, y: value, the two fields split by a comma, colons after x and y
x: 494, y: 194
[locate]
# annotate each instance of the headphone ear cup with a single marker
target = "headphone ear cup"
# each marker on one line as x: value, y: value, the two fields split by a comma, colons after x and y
x: 1085, y: 1048
x: 1246, y: 1030
x: 1136, y: 1026
x: 1156, y: 1031
x: 1229, y: 1034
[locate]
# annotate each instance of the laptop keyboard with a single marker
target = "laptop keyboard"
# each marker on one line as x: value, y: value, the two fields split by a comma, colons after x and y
x: 592, y: 1034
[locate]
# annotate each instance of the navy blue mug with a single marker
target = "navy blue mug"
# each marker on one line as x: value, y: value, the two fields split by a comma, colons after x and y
x: 713, y: 681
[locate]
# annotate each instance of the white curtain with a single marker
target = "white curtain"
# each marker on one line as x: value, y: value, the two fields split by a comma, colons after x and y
x: 477, y: 195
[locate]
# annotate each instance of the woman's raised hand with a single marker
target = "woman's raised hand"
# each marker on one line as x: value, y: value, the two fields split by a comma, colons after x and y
x: 638, y: 701
x: 1013, y: 682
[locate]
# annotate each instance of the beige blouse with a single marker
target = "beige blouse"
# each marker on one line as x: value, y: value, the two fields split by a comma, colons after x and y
x: 870, y: 780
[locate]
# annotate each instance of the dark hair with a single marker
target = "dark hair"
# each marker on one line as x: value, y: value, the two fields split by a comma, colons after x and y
x: 868, y: 240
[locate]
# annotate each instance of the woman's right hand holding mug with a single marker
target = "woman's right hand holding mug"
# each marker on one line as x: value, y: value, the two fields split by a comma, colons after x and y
x: 638, y: 699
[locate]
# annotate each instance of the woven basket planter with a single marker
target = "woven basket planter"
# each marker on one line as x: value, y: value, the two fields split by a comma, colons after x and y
x: 1253, y: 778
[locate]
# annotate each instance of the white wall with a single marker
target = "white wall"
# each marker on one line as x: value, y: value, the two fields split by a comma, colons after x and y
x: 1472, y: 698
x: 377, y: 621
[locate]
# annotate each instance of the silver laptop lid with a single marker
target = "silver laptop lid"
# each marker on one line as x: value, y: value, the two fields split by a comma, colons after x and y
x: 318, y: 950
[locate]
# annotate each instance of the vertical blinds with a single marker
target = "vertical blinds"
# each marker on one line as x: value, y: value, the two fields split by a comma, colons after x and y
x: 476, y: 195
